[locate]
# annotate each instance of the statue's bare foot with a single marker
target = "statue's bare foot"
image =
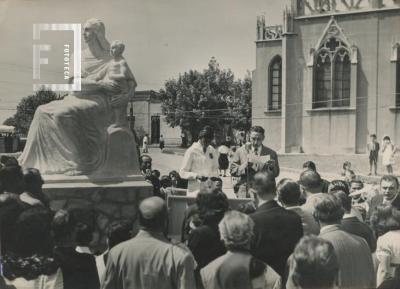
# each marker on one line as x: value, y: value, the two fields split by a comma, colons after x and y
x: 74, y: 173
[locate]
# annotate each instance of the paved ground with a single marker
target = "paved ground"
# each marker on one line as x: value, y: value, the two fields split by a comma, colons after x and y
x: 329, y: 166
x: 167, y: 162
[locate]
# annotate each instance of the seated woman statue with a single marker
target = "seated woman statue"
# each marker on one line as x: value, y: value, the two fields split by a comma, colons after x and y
x: 69, y: 136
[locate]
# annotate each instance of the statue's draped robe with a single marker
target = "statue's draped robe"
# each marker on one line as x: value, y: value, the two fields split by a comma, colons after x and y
x: 69, y: 135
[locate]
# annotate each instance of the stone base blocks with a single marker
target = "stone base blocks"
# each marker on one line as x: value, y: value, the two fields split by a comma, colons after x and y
x: 98, y: 203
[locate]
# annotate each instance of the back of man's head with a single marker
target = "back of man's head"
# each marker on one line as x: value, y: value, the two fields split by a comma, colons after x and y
x: 152, y: 214
x: 309, y: 165
x: 345, y: 199
x: 264, y: 185
x: 313, y: 264
x: 329, y: 210
x: 311, y: 181
x: 289, y: 193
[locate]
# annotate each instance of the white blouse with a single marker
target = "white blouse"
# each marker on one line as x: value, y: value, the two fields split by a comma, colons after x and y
x: 388, y: 245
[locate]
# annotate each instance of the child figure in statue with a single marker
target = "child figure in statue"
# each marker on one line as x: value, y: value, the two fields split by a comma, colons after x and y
x: 118, y: 72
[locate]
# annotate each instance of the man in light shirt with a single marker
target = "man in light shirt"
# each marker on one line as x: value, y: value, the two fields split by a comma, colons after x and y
x: 200, y: 163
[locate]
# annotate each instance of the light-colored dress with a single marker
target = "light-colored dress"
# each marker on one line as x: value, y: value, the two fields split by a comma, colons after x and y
x: 388, y: 245
x: 69, y: 135
x: 54, y: 281
x: 387, y: 155
x: 196, y: 163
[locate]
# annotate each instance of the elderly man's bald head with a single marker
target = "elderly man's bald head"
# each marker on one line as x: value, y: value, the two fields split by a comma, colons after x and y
x: 152, y: 214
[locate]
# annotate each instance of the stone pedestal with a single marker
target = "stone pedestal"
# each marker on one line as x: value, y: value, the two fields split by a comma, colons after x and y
x: 97, y: 202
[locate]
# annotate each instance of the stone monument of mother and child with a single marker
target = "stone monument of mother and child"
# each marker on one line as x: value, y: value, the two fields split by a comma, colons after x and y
x: 87, y: 132
x: 82, y: 144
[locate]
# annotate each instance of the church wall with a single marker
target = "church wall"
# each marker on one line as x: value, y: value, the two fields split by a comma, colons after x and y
x: 388, y: 118
x: 269, y: 120
x: 346, y: 131
x: 292, y: 66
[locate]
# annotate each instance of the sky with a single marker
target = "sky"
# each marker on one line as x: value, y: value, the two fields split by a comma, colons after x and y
x: 163, y: 37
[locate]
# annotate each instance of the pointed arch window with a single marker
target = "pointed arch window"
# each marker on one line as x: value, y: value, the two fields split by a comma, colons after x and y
x: 332, y: 75
x: 275, y: 84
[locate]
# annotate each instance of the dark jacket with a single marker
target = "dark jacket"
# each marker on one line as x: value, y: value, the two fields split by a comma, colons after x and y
x: 354, y: 226
x: 79, y: 269
x: 277, y: 232
x: 205, y: 244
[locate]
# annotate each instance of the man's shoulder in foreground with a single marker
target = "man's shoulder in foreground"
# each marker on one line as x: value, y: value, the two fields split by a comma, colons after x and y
x: 146, y: 240
x: 271, y: 210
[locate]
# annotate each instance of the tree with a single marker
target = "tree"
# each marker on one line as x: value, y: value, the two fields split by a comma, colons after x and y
x: 26, y: 109
x: 211, y: 97
x: 240, y: 104
x: 10, y: 121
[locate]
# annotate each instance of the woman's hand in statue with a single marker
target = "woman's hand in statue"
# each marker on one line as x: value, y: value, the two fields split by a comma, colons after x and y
x: 110, y: 86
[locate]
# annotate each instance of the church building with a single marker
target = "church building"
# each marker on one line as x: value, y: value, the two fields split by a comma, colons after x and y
x: 329, y: 76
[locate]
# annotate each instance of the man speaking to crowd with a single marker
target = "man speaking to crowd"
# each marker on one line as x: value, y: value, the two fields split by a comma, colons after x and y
x: 254, y: 157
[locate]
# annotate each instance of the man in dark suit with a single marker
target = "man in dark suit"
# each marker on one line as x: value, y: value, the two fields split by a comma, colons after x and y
x: 277, y: 230
x: 389, y: 194
x: 254, y: 157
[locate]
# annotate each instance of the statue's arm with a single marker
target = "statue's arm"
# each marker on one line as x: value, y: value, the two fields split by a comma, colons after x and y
x: 90, y: 85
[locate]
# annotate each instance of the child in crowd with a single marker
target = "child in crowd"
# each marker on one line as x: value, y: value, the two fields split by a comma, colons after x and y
x: 373, y: 151
x: 346, y: 167
x: 388, y: 151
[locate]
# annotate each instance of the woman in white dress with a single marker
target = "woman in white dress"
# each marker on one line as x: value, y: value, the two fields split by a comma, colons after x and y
x: 388, y: 151
x: 386, y: 223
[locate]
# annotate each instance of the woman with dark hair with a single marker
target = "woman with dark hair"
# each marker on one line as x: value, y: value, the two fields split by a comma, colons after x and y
x: 78, y: 269
x: 33, y: 194
x: 30, y: 264
x: 11, y: 179
x: 339, y: 185
x: 386, y: 223
x: 204, y: 239
x: 10, y: 208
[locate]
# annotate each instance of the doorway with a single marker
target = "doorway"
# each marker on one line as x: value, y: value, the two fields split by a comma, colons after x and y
x: 155, y: 129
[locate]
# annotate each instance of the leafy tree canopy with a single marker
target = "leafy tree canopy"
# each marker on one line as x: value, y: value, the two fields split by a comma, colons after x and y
x: 212, y: 97
x: 26, y: 109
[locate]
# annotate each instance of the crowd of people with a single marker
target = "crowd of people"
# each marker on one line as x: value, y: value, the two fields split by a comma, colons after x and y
x: 293, y: 233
